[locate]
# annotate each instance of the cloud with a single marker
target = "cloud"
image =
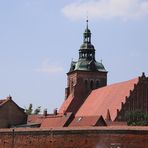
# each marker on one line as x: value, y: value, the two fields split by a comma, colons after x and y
x: 48, y: 68
x: 107, y: 9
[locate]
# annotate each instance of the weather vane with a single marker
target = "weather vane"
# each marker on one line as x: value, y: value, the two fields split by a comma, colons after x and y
x: 87, y: 19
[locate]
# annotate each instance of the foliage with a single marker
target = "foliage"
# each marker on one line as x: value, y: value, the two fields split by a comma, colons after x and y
x: 137, y: 118
x: 37, y: 110
x: 30, y: 111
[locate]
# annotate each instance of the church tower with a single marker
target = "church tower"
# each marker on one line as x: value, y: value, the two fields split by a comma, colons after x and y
x: 84, y: 75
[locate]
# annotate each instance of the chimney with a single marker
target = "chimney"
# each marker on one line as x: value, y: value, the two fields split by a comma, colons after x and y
x: 55, y: 112
x: 64, y: 113
x: 143, y: 74
x: 45, y: 112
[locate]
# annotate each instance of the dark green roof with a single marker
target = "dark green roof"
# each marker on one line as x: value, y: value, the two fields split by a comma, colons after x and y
x: 87, y: 46
x: 86, y: 61
x: 86, y: 65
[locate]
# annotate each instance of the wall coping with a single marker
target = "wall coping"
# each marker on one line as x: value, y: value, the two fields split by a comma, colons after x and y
x: 77, y: 130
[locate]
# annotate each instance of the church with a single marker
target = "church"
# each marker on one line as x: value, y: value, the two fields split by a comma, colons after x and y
x: 89, y: 101
x: 93, y: 114
x: 87, y: 93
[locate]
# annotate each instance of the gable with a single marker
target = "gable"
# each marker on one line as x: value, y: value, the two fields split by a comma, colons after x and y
x: 9, y: 106
x: 88, y: 121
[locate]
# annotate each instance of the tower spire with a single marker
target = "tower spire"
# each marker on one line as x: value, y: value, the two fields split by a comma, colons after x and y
x: 87, y: 23
x: 87, y: 34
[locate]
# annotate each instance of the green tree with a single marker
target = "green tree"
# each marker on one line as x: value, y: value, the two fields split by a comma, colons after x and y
x: 30, y: 110
x: 37, y: 110
x: 137, y: 118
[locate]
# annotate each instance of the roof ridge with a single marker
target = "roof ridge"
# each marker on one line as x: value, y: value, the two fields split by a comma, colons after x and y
x: 117, y: 83
x: 108, y: 97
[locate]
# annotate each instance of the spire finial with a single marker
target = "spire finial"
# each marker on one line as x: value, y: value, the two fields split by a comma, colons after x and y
x: 87, y: 21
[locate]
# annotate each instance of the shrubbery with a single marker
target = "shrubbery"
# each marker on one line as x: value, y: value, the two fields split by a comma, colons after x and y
x: 137, y: 118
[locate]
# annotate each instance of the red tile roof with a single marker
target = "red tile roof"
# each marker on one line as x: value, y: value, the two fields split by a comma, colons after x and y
x: 66, y: 104
x: 59, y: 120
x: 109, y: 97
x: 88, y: 121
x: 2, y: 101
x: 35, y: 118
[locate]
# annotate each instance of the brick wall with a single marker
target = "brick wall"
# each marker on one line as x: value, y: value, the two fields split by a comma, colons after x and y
x: 10, y: 115
x: 137, y: 100
x: 81, y: 77
x: 75, y: 138
x: 80, y: 84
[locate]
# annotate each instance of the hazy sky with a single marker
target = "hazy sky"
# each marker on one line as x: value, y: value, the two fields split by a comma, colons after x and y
x: 39, y: 38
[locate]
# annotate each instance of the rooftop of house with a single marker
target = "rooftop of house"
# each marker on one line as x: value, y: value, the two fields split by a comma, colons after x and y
x: 66, y: 104
x: 59, y: 120
x: 7, y: 99
x: 88, y: 121
x: 50, y: 120
x: 2, y: 101
x: 107, y: 99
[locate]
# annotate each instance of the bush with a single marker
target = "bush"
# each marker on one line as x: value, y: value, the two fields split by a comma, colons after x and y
x: 137, y: 118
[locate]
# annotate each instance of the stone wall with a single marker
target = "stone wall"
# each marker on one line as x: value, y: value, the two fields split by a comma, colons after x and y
x: 102, y: 137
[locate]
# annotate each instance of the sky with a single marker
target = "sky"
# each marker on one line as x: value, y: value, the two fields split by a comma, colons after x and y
x: 40, y: 38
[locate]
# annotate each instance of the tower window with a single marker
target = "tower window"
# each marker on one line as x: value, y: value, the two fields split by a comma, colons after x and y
x: 91, y: 84
x: 97, y: 84
x: 86, y: 84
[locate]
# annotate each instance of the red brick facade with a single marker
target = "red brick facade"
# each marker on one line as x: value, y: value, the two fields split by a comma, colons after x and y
x: 80, y: 84
x: 137, y: 100
x: 84, y: 75
x: 80, y: 123
x: 76, y: 138
x: 11, y: 114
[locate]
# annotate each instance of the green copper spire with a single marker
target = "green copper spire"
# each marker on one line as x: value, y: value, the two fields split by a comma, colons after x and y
x: 87, y: 34
x: 86, y: 61
x: 87, y: 50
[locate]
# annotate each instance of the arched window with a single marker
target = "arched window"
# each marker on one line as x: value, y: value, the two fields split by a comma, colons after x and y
x: 86, y: 84
x: 97, y: 84
x: 91, y: 84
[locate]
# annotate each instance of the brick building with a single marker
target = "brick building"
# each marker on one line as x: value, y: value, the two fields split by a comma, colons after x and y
x: 84, y: 75
x: 89, y: 101
x: 11, y: 114
x: 87, y: 92
x: 92, y: 115
x: 115, y: 101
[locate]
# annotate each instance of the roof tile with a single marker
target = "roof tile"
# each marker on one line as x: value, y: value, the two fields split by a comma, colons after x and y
x: 59, y: 120
x: 88, y: 121
x: 66, y: 104
x: 107, y: 98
